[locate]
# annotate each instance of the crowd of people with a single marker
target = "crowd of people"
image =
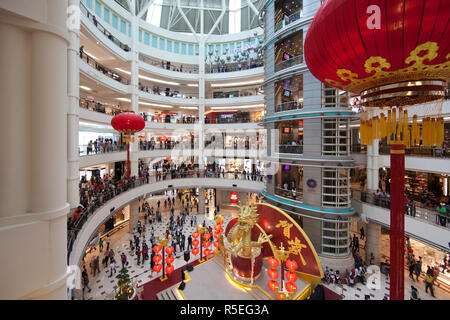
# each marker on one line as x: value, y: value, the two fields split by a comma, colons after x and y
x: 102, y: 145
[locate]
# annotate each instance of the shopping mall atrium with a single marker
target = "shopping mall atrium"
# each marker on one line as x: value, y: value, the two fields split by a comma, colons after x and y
x: 225, y: 150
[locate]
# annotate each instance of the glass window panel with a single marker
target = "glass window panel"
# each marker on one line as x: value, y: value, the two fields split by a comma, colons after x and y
x: 154, y: 41
x: 98, y: 9
x: 169, y: 46
x: 162, y: 44
x: 106, y: 15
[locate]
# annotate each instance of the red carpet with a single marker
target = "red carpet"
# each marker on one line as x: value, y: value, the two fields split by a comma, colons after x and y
x: 155, y: 286
x: 331, y: 295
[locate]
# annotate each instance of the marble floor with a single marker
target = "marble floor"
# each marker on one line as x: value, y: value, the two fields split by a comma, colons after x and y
x: 103, y: 286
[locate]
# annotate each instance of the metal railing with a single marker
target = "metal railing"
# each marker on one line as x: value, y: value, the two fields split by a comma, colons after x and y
x: 288, y: 20
x: 230, y: 120
x: 289, y: 63
x: 416, y: 151
x: 233, y: 66
x: 288, y: 194
x: 168, y: 93
x: 119, y: 187
x: 163, y: 65
x: 291, y: 105
x: 288, y: 148
x: 86, y: 150
x: 98, y: 107
x: 416, y: 211
x: 102, y: 29
x: 104, y: 70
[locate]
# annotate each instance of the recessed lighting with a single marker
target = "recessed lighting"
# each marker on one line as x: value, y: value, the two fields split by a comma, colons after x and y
x: 124, y: 99
x: 155, y: 105
x: 85, y: 88
x: 158, y: 80
x: 234, y: 84
x: 90, y: 55
x: 189, y: 108
x: 124, y: 71
x: 192, y: 85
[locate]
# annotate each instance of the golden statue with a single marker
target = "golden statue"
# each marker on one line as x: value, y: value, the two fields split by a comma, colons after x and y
x: 240, y: 235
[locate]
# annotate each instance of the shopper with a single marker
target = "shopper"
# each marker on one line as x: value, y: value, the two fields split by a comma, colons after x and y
x: 123, y: 258
x: 113, y: 267
x: 429, y: 280
x: 85, y: 277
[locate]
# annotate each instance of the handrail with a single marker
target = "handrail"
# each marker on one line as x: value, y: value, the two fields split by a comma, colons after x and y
x: 289, y: 148
x: 159, y: 63
x: 286, y: 106
x: 156, y: 90
x: 417, y: 211
x: 124, y: 185
x: 287, y: 20
x: 289, y: 63
x: 416, y: 151
x: 94, y: 64
x: 86, y: 150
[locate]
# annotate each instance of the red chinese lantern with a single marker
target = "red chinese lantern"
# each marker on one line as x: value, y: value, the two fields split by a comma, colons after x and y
x: 157, y: 258
x: 221, y: 230
x: 170, y: 259
x: 195, y: 251
x: 207, y: 252
x: 291, y: 276
x: 169, y: 269
x: 272, y: 273
x: 128, y: 124
x: 206, y: 244
x: 393, y: 53
x: 157, y: 248
x: 157, y: 268
x: 216, y: 236
x: 273, y: 285
x: 273, y: 262
x: 216, y: 244
x: 195, y: 235
x: 291, y: 264
x: 206, y: 236
x: 291, y: 287
x: 169, y: 250
x: 195, y: 243
x: 346, y: 49
x: 217, y: 227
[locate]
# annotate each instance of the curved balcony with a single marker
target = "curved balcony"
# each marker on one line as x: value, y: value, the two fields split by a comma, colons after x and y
x: 153, y: 66
x: 101, y: 158
x: 177, y: 98
x: 288, y: 106
x: 95, y: 215
x: 220, y: 102
x: 420, y: 223
x: 97, y: 72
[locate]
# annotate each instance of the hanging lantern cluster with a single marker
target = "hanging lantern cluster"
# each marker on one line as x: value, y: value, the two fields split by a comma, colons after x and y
x: 396, y: 127
x: 291, y: 276
x: 206, y: 244
x: 218, y: 228
x: 195, y: 243
x: 157, y: 259
x: 273, y: 274
x: 169, y: 260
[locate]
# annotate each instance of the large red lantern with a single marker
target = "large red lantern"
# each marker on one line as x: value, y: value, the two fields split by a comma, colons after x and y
x: 291, y: 287
x: 169, y: 269
x: 170, y: 259
x: 169, y: 250
x: 216, y: 244
x: 195, y: 243
x: 291, y: 276
x: 195, y: 235
x: 395, y: 55
x: 157, y: 248
x: 128, y: 124
x: 206, y: 236
x: 207, y: 252
x: 157, y: 258
x: 206, y: 244
x: 195, y: 251
x: 291, y: 264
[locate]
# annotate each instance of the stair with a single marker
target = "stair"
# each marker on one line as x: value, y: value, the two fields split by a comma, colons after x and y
x: 167, y: 294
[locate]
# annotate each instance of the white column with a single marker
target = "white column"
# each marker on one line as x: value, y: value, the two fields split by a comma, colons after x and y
x: 201, y: 201
x: 33, y: 139
x: 201, y: 95
x: 372, y: 166
x: 73, y: 92
x: 134, y: 215
x: 373, y: 232
x: 134, y: 90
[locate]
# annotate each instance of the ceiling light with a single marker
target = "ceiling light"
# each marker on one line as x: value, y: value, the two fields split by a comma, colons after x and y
x: 189, y: 108
x: 239, y: 107
x: 160, y: 81
x: 155, y: 105
x: 234, y: 84
x: 192, y: 85
x: 124, y: 71
x: 85, y: 88
x: 124, y: 99
x: 90, y: 55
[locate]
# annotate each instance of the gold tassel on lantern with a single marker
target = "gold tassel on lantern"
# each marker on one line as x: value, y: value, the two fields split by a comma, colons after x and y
x: 415, y: 131
x: 440, y: 132
x: 405, y: 130
x: 382, y: 126
x: 389, y: 127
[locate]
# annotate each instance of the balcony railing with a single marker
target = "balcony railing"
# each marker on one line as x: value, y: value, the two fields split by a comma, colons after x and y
x: 163, y: 65
x: 233, y: 66
x: 289, y: 63
x: 101, y: 198
x: 296, y: 195
x: 287, y: 106
x: 86, y: 150
x: 230, y: 120
x: 288, y: 148
x: 416, y: 151
x: 288, y: 20
x: 98, y: 107
x: 103, y: 69
x: 156, y: 90
x: 415, y: 211
x: 102, y: 29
